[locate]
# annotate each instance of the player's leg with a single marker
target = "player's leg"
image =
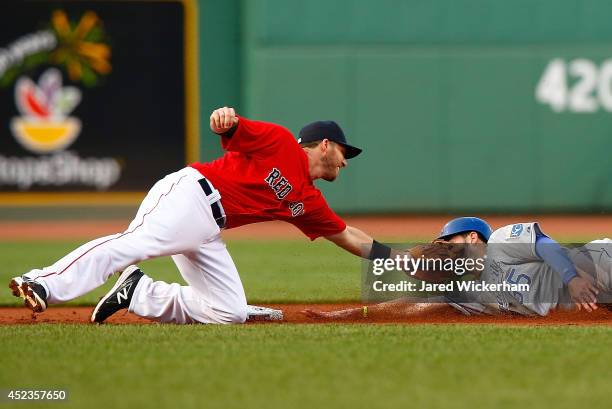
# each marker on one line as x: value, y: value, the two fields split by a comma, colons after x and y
x: 601, y: 252
x: 214, y: 293
x: 174, y: 217
x: 595, y: 259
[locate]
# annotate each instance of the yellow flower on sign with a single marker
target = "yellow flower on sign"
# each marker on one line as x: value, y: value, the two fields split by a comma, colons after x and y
x: 79, y: 47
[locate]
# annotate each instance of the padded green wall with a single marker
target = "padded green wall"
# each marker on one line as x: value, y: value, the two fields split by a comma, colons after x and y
x: 220, y: 65
x: 441, y: 96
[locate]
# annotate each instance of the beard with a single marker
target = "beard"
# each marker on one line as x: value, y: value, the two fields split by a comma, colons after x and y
x: 329, y: 178
x: 331, y: 172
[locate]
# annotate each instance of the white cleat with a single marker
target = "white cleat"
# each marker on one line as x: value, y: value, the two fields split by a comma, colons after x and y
x: 255, y: 313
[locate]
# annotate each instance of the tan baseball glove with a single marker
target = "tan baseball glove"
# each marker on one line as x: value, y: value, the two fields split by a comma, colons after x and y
x: 434, y: 262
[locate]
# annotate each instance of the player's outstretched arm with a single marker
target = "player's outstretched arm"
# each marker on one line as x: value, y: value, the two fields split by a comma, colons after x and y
x: 354, y: 241
x: 395, y: 309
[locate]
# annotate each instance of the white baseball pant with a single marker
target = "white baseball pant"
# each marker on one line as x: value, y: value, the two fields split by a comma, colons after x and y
x: 175, y: 219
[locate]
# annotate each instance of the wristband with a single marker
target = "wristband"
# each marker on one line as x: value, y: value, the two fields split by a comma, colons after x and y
x: 379, y: 251
x: 230, y: 132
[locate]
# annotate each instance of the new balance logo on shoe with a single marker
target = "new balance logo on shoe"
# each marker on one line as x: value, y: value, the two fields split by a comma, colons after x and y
x: 123, y: 294
x: 119, y: 297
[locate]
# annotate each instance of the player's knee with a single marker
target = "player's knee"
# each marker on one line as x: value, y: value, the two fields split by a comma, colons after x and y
x: 229, y: 314
x: 237, y: 314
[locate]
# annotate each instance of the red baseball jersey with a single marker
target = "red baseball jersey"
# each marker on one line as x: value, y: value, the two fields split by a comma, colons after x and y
x: 264, y: 176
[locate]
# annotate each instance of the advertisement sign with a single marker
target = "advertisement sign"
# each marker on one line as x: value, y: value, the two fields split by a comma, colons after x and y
x: 96, y: 99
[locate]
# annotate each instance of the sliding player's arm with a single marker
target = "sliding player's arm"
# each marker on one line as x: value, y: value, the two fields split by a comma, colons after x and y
x: 400, y: 308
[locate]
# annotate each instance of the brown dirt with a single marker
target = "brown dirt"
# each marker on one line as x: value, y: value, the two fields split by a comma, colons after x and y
x: 293, y: 315
x: 584, y: 226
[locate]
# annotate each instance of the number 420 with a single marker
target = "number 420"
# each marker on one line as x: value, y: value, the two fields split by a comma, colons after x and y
x: 591, y: 89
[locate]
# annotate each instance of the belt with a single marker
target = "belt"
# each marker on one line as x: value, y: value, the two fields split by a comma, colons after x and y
x: 215, y: 206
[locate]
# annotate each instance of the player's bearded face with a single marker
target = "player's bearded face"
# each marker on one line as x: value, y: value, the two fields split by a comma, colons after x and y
x: 476, y: 248
x: 332, y: 161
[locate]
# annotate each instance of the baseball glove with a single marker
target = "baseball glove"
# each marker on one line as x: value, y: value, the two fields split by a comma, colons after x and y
x: 434, y: 262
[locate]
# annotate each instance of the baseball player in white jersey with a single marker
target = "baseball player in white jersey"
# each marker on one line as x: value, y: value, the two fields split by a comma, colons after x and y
x: 515, y: 254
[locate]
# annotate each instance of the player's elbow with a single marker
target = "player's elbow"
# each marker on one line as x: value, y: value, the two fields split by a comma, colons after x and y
x: 351, y: 243
x: 340, y: 239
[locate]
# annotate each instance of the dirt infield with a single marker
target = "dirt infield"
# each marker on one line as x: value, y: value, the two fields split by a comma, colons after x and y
x: 583, y: 226
x: 293, y: 315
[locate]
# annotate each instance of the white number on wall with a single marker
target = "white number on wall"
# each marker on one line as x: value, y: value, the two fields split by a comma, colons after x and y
x: 581, y: 97
x: 552, y: 88
x: 576, y: 86
x: 604, y: 85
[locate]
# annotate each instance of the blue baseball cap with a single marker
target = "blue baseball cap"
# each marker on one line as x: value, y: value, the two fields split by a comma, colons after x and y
x: 464, y: 225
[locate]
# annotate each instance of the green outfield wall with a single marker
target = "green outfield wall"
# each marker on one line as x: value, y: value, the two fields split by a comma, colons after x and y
x: 459, y: 105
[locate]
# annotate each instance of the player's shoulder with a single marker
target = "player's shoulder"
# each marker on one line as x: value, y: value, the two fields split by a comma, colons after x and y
x: 286, y: 138
x: 524, y: 231
x: 270, y: 129
x: 278, y: 130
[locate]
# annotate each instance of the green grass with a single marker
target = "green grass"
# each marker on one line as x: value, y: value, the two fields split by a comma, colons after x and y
x: 271, y: 271
x: 305, y: 366
x: 297, y: 366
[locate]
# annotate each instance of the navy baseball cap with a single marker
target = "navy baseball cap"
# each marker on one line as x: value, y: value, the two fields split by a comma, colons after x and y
x: 319, y: 130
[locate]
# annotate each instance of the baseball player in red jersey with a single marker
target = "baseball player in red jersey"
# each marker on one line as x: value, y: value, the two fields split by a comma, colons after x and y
x: 264, y: 175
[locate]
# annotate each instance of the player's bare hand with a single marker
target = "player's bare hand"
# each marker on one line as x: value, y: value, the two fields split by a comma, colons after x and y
x: 327, y: 315
x: 588, y: 306
x: 583, y: 292
x: 223, y: 119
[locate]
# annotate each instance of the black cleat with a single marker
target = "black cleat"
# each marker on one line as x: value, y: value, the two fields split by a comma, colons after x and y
x: 119, y: 297
x: 33, y: 293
